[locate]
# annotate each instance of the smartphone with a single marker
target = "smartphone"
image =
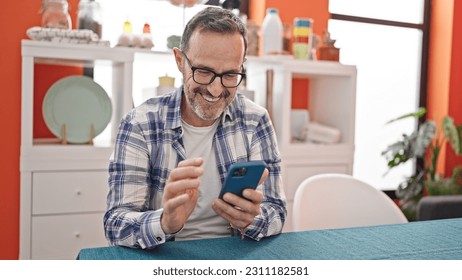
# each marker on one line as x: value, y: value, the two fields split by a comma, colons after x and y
x: 241, y: 176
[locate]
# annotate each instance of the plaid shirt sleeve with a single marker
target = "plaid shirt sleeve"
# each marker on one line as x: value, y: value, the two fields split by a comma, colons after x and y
x: 136, y: 179
x: 273, y: 208
x: 129, y: 221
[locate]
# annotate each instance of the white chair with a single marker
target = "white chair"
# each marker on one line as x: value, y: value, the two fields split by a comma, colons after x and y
x: 328, y: 201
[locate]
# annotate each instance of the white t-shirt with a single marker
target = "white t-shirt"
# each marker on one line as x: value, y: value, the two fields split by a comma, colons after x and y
x: 203, y: 222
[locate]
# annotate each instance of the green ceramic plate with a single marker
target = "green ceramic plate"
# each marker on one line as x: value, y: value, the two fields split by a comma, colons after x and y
x: 78, y: 102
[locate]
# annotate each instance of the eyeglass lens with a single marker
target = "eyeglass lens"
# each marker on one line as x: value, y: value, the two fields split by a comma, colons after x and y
x: 205, y: 77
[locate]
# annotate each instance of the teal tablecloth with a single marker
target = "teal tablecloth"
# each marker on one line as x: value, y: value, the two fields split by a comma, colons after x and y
x: 434, y: 240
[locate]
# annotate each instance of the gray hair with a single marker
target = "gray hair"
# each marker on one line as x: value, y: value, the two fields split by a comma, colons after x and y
x: 214, y: 19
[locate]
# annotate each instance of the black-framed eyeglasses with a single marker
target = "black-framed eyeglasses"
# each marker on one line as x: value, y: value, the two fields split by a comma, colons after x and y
x: 204, y: 76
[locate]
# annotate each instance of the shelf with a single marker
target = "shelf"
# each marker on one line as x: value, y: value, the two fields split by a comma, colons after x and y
x: 120, y: 61
x: 303, y: 68
x: 331, y: 94
x: 331, y: 98
x: 73, y: 52
x: 81, y: 54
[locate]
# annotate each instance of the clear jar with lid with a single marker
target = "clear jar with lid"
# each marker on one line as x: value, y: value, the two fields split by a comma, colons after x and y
x: 89, y: 16
x: 55, y: 14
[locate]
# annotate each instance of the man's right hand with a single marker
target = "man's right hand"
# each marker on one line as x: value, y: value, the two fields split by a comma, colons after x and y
x: 180, y: 194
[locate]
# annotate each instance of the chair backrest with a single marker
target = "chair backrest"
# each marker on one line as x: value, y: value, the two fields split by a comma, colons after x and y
x: 328, y: 201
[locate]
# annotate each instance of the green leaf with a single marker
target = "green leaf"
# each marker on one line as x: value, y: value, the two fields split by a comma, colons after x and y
x: 459, y: 132
x: 411, y: 188
x: 424, y: 137
x: 417, y: 114
x: 451, y: 132
x: 399, y: 152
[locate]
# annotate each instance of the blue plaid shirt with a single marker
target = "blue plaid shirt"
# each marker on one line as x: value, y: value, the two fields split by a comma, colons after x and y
x: 149, y: 145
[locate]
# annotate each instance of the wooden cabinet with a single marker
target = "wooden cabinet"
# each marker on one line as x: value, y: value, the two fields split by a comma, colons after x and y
x: 332, y: 93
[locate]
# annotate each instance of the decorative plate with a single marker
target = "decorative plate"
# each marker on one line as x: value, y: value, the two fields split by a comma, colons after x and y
x: 78, y: 102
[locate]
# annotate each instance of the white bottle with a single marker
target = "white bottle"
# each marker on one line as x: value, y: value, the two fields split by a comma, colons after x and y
x: 272, y: 32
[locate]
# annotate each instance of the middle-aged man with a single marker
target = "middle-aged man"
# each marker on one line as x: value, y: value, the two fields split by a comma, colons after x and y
x: 172, y: 153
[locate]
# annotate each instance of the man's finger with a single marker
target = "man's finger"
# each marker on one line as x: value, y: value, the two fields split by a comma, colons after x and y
x: 243, y: 204
x: 231, y: 214
x: 180, y: 186
x: 263, y: 176
x: 173, y: 203
x: 255, y: 196
x: 191, y: 162
x: 185, y: 172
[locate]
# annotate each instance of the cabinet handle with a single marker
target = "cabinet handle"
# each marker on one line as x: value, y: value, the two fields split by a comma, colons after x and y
x: 78, y: 192
x: 77, y: 234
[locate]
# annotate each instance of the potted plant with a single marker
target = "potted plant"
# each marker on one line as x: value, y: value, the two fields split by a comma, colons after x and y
x: 425, y: 144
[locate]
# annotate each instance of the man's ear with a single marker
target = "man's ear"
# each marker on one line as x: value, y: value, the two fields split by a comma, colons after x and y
x: 178, y: 58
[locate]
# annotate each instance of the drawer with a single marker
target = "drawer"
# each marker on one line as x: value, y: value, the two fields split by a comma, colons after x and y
x: 69, y: 192
x: 295, y: 174
x: 63, y: 236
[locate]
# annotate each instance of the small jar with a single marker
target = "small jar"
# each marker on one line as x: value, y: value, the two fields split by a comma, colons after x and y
x: 89, y: 16
x: 253, y: 40
x: 55, y: 14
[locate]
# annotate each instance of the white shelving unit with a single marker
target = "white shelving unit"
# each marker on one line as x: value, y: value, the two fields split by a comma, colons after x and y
x: 64, y: 187
x: 332, y: 92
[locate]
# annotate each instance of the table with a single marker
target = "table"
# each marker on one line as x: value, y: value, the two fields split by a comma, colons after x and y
x: 431, y: 240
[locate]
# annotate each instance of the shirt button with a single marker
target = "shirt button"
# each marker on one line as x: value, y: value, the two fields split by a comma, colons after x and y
x: 159, y: 239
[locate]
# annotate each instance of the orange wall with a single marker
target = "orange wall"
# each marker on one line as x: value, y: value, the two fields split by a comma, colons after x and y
x: 290, y: 9
x: 455, y: 84
x: 10, y: 73
x: 445, y: 72
x: 17, y: 17
x: 439, y: 64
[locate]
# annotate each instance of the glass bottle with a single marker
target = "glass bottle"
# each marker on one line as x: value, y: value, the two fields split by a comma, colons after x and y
x: 55, y: 14
x: 89, y: 16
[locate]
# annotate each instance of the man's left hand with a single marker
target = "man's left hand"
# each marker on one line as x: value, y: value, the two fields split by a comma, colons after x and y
x: 240, y: 211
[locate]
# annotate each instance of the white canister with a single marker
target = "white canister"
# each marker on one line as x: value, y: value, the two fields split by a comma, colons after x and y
x: 272, y: 32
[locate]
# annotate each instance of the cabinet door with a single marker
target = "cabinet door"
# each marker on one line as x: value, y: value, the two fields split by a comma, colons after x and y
x: 69, y: 192
x: 63, y: 236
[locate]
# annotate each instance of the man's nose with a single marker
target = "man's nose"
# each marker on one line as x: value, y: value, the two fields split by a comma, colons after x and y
x: 215, y: 88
